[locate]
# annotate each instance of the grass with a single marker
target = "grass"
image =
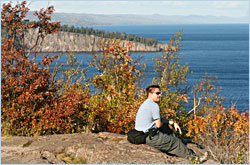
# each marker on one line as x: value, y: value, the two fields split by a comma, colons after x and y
x: 28, y: 143
x: 116, y: 139
x: 69, y: 159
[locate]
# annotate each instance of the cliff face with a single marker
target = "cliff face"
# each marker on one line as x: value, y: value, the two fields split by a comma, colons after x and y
x: 66, y: 41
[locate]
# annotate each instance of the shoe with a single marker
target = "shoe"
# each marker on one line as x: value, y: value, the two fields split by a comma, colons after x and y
x: 204, y: 158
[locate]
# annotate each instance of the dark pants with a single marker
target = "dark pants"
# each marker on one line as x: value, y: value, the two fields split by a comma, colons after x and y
x: 170, y: 144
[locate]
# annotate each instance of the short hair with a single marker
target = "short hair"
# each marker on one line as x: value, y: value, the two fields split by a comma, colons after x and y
x: 150, y: 88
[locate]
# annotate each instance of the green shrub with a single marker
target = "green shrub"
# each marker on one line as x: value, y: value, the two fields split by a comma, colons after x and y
x: 116, y: 100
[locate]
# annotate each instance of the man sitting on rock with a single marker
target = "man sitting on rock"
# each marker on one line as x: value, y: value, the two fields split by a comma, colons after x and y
x: 148, y: 120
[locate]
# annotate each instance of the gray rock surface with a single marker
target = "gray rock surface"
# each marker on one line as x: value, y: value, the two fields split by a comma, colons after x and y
x: 90, y: 148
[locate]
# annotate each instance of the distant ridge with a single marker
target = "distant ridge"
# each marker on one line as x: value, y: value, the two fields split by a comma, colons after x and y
x: 116, y: 19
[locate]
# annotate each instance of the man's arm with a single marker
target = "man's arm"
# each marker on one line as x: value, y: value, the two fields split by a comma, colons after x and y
x: 158, y: 123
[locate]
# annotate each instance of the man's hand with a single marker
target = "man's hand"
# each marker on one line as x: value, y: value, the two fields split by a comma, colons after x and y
x: 177, y: 128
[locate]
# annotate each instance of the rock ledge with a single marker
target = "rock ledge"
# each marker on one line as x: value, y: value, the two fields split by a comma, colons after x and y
x: 90, y: 148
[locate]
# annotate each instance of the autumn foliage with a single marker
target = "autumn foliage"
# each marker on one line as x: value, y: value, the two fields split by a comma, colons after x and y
x: 171, y: 76
x: 34, y: 101
x: 30, y: 103
x: 117, y: 100
x: 27, y: 87
x: 225, y: 133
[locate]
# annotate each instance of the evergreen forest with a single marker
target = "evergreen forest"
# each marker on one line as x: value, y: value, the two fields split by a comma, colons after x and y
x: 112, y: 35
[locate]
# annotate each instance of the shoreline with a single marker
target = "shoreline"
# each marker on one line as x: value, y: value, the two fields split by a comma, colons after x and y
x: 86, y: 51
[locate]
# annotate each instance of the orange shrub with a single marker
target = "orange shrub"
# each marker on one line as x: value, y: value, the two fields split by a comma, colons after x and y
x: 26, y: 90
x: 224, y: 133
x: 67, y: 114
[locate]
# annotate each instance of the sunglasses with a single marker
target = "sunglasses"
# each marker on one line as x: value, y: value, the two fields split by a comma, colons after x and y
x: 158, y: 93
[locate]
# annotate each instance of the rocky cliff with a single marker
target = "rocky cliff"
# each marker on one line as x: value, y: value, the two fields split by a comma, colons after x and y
x: 66, y: 41
x: 84, y: 148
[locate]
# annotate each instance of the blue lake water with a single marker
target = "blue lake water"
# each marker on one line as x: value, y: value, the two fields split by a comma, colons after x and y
x: 218, y: 50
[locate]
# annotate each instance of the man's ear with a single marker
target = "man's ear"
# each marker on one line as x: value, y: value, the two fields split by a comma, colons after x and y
x: 149, y: 94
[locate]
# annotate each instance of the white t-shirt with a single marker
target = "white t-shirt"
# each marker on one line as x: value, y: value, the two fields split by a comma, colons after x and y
x: 147, y: 113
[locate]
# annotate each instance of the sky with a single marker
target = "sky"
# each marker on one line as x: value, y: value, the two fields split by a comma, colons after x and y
x: 236, y: 8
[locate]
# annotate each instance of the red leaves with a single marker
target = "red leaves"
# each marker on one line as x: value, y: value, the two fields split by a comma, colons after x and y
x: 44, y: 20
x: 27, y: 89
x: 106, y: 50
x: 66, y: 115
x: 126, y: 66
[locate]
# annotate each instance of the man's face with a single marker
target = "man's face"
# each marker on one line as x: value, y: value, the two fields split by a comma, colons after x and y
x: 155, y: 95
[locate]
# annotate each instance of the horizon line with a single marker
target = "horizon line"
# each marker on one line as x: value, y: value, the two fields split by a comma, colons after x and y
x: 192, y: 15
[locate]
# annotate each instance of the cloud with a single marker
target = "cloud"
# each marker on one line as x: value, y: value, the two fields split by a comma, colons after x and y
x: 173, y: 3
x: 108, y: 2
x: 227, y: 4
x: 219, y: 8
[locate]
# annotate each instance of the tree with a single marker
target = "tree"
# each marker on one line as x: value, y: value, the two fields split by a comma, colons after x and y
x: 28, y: 88
x: 114, y: 106
x: 171, y: 76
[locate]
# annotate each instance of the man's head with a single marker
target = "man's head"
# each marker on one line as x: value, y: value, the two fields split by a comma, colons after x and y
x: 153, y: 92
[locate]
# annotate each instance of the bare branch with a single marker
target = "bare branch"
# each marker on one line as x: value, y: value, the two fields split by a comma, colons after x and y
x: 195, y: 105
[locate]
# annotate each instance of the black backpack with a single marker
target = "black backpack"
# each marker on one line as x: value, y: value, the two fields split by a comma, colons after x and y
x: 137, y: 137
